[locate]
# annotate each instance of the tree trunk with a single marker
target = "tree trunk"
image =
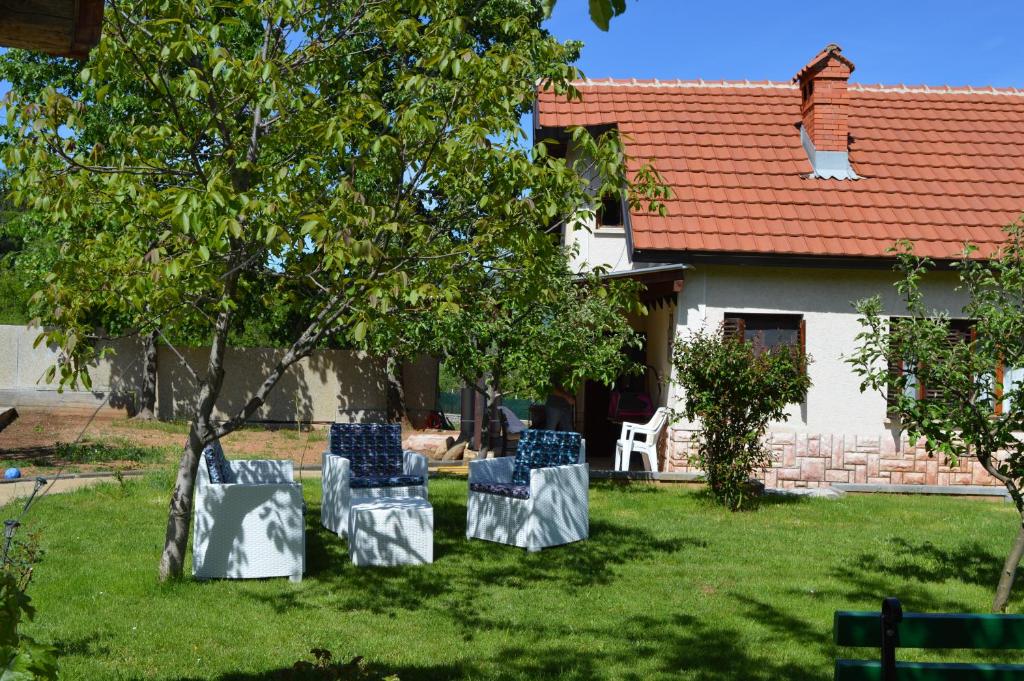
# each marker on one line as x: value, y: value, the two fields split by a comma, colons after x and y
x: 1009, y: 572
x: 467, y: 413
x: 397, y: 409
x: 147, y: 394
x: 179, y: 517
x: 493, y: 419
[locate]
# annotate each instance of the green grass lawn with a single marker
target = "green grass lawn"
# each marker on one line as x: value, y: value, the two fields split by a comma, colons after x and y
x: 667, y: 587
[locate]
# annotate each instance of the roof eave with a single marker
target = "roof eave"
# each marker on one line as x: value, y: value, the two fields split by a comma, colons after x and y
x: 751, y: 258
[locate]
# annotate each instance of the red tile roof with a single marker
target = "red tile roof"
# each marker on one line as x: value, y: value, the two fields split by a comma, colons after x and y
x: 939, y: 166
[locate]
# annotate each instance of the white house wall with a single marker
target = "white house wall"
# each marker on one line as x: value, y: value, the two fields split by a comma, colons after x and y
x: 825, y: 298
x: 596, y: 246
x: 839, y: 434
x: 605, y: 246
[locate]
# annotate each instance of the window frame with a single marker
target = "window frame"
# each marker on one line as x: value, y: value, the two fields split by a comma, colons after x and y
x: 734, y: 325
x: 599, y: 212
x: 967, y: 330
x: 999, y: 395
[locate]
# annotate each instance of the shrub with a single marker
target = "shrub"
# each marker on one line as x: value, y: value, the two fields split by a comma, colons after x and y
x: 324, y: 667
x: 20, y: 656
x: 735, y: 388
x: 105, y: 452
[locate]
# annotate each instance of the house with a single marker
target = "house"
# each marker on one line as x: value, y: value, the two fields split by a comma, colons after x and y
x: 786, y: 199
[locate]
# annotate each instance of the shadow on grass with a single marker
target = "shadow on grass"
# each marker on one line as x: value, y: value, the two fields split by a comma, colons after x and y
x: 460, y: 567
x: 85, y: 645
x: 923, y: 561
x: 916, y: 573
x: 63, y: 453
x: 678, y: 645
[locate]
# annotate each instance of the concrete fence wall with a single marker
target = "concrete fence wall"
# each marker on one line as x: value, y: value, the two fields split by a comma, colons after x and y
x: 329, y: 385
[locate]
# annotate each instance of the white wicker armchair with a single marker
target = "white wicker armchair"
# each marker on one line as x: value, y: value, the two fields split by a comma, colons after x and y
x: 552, y: 508
x: 365, y: 461
x: 249, y: 525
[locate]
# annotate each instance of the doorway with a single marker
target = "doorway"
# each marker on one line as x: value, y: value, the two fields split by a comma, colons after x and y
x: 599, y: 429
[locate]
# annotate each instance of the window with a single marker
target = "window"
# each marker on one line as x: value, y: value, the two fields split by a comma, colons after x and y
x: 1008, y: 379
x: 609, y: 213
x: 996, y: 385
x: 767, y: 331
x: 960, y: 331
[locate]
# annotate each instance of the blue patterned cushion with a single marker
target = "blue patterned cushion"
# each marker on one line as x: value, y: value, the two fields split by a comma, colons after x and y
x: 387, y: 481
x: 375, y: 449
x: 544, y: 449
x: 502, y: 489
x: 217, y: 465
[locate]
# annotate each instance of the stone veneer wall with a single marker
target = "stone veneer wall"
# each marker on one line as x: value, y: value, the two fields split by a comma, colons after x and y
x: 818, y: 460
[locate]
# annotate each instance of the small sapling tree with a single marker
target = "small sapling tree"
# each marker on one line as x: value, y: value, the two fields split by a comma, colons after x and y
x: 955, y: 384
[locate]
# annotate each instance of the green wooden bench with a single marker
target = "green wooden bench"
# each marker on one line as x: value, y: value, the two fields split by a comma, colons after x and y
x: 891, y: 629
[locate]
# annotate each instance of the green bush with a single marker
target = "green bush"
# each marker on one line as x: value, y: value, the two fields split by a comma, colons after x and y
x: 736, y: 389
x: 21, y: 658
x: 13, y: 298
x: 104, y: 452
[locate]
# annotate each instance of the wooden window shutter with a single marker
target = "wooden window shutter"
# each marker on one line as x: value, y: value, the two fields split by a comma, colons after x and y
x: 956, y: 335
x: 998, y: 396
x: 734, y: 327
x: 895, y: 371
x: 892, y: 391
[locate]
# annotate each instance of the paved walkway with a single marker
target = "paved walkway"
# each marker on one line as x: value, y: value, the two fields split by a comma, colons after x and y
x: 21, y: 489
x: 14, y: 490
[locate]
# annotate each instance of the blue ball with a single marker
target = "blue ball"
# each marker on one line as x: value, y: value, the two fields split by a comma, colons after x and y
x: 12, y: 474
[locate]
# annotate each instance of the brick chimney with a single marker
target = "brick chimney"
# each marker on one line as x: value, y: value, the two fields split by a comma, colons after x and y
x: 824, y: 103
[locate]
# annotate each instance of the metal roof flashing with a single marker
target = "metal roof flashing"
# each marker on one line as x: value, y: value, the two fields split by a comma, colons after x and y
x: 827, y: 165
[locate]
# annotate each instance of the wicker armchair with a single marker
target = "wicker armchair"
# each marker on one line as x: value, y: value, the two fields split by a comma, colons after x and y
x: 366, y: 461
x: 248, y: 519
x: 537, y: 499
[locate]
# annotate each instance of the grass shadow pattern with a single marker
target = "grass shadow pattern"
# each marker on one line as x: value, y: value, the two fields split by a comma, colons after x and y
x: 668, y: 586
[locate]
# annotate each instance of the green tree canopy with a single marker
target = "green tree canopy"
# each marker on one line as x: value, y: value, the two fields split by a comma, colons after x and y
x: 331, y: 143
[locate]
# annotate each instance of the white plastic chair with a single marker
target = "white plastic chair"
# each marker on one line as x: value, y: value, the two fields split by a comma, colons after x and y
x: 641, y: 438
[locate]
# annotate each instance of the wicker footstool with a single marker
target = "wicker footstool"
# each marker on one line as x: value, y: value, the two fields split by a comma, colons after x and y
x: 391, y: 531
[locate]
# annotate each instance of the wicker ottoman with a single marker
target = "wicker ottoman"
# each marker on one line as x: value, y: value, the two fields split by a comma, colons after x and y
x: 391, y: 531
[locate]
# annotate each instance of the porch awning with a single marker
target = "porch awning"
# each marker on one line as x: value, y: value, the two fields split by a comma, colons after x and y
x: 65, y: 28
x: 661, y: 283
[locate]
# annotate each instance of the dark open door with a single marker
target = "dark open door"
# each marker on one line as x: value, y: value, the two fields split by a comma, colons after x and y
x: 598, y: 430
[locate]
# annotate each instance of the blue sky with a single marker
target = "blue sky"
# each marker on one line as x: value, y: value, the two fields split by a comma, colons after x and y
x: 969, y: 42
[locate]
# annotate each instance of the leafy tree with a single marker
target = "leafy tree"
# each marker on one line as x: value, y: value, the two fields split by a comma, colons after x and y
x: 736, y: 388
x: 30, y: 74
x: 945, y: 385
x: 601, y: 11
x: 15, y: 288
x: 329, y: 142
x: 535, y: 325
